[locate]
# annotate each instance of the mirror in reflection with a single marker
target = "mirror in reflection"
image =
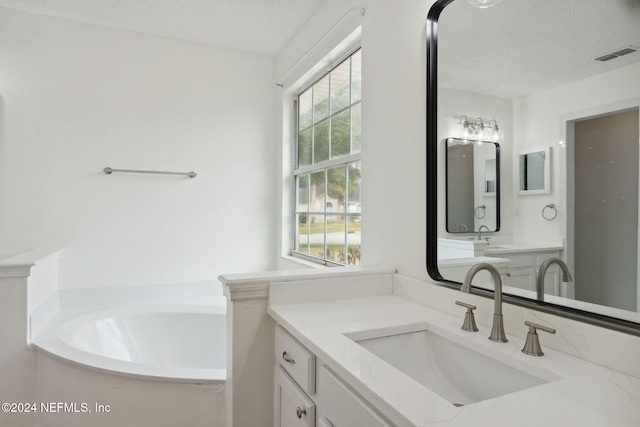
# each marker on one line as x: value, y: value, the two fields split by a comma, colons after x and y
x: 473, y: 187
x: 534, y: 170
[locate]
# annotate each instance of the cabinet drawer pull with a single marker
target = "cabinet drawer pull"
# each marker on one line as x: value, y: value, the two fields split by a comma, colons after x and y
x: 287, y: 358
x: 300, y: 412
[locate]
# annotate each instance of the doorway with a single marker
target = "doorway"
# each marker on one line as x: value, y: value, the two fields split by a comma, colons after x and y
x: 605, y: 195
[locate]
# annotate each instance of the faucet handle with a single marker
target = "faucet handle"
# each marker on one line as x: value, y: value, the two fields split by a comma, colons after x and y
x: 469, y: 323
x: 532, y: 344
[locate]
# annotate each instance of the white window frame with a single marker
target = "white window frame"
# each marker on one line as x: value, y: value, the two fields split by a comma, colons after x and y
x: 323, y: 166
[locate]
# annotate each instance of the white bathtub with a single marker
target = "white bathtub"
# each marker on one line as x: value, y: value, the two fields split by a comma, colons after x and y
x: 179, y: 343
x: 155, y: 354
x: 183, y: 342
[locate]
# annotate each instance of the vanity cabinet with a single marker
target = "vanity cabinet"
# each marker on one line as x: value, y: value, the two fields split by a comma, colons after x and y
x: 309, y: 394
x: 293, y: 408
x: 340, y: 406
x: 523, y: 269
x: 295, y: 382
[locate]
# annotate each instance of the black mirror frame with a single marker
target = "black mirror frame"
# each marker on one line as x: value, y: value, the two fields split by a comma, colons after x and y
x: 608, y: 322
x: 497, y: 189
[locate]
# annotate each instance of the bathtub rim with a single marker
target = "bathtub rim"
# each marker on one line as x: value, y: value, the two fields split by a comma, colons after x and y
x: 49, y: 342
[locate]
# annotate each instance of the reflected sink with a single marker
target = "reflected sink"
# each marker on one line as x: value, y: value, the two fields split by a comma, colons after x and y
x: 490, y: 247
x: 455, y: 372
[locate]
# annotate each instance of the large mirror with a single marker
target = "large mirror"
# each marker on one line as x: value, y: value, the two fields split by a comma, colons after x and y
x: 473, y: 186
x: 563, y: 74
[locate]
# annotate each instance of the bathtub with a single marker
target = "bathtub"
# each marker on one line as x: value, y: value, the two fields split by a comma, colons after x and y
x: 172, y: 342
x: 153, y: 354
x: 175, y: 343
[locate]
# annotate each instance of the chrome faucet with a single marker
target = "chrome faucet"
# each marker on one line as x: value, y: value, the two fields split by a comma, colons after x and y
x: 566, y: 276
x: 497, y: 330
x: 480, y: 231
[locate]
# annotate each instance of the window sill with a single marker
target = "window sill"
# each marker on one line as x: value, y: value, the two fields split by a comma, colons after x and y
x: 302, y: 262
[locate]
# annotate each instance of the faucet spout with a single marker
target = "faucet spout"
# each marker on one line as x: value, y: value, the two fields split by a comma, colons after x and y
x: 480, y: 231
x: 566, y: 276
x: 497, y: 330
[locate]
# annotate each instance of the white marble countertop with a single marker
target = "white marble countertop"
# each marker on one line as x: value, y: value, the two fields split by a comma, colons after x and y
x: 587, y: 394
x: 513, y: 248
x: 468, y: 262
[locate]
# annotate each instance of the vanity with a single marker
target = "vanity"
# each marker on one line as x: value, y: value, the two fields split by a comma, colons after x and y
x: 518, y: 263
x: 338, y: 362
x: 308, y: 392
x: 524, y: 262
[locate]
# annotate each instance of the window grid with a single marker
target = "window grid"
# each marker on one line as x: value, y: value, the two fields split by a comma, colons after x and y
x: 327, y: 179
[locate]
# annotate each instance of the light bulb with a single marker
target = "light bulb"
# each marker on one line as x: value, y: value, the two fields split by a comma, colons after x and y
x: 496, y: 134
x: 480, y: 132
x: 467, y: 131
x: 483, y: 4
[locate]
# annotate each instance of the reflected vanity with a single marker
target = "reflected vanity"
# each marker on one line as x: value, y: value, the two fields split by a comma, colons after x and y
x: 549, y: 85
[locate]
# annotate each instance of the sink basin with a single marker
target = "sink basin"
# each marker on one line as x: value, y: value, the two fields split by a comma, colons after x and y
x: 455, y: 372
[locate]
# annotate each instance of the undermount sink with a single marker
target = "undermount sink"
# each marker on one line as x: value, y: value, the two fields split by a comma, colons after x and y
x: 455, y: 372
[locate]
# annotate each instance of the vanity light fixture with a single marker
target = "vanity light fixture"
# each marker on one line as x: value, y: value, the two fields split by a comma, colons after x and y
x: 483, y: 4
x: 467, y: 131
x: 496, y: 134
x: 478, y: 131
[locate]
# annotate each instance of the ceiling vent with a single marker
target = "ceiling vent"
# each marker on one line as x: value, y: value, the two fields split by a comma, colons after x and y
x: 618, y: 53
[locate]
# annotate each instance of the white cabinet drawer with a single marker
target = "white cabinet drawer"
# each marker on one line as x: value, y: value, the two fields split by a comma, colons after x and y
x: 522, y: 278
x: 299, y: 362
x: 292, y: 407
x: 520, y: 260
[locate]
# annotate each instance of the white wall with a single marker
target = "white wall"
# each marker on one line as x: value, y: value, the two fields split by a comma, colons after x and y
x: 76, y: 98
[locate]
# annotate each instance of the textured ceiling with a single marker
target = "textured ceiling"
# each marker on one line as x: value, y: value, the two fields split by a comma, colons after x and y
x: 512, y: 49
x: 520, y: 47
x: 260, y: 26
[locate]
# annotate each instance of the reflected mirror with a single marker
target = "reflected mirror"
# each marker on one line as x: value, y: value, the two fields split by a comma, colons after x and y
x: 534, y: 172
x: 473, y: 185
x: 553, y: 73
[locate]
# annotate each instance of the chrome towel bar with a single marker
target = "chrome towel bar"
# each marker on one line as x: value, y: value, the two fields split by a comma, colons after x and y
x: 109, y: 171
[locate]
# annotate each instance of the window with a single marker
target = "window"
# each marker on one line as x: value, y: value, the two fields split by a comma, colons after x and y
x: 327, y: 168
